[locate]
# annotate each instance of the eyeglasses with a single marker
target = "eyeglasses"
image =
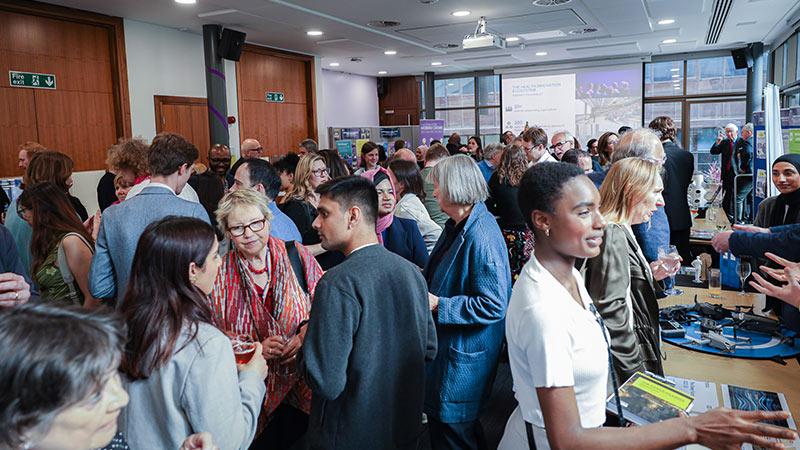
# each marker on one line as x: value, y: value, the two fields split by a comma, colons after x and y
x: 254, y: 226
x: 320, y: 172
x: 557, y: 145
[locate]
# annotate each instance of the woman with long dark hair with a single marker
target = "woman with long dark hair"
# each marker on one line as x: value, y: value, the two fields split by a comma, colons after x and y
x: 61, y: 248
x: 181, y: 372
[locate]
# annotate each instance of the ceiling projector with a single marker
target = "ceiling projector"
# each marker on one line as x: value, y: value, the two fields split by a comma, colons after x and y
x: 482, y: 39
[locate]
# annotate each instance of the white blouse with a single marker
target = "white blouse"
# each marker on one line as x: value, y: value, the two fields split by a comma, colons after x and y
x: 552, y: 342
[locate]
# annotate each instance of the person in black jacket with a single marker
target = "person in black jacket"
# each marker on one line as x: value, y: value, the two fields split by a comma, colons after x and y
x: 678, y: 170
x: 736, y: 154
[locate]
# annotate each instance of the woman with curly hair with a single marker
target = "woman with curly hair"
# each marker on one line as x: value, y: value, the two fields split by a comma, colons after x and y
x: 502, y: 202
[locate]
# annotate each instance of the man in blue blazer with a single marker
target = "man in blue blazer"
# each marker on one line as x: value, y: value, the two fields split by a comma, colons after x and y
x: 170, y: 159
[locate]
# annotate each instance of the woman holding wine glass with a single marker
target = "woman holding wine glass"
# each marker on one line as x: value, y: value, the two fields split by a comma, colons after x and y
x: 619, y: 279
x: 670, y: 261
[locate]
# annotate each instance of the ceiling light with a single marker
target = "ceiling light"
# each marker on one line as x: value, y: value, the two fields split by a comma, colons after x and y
x: 541, y: 53
x: 460, y: 13
x: 436, y: 63
x: 676, y: 76
x: 381, y: 72
x: 666, y: 21
x: 334, y: 64
x: 669, y: 41
x: 186, y: 2
x: 675, y: 69
x: 390, y: 52
x: 314, y: 33
x: 512, y: 39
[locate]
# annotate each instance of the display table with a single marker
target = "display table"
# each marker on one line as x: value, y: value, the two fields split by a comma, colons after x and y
x: 764, y: 375
x: 703, y: 230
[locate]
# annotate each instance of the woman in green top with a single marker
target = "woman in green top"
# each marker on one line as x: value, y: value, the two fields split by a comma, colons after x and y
x: 61, y: 248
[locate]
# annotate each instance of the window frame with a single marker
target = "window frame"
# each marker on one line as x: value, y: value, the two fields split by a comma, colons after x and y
x: 476, y: 103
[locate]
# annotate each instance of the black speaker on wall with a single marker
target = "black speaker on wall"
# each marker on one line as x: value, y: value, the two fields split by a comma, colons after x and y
x: 742, y: 58
x: 230, y: 46
x: 383, y: 86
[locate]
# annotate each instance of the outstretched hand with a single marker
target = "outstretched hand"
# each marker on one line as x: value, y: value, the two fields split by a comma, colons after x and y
x: 727, y: 429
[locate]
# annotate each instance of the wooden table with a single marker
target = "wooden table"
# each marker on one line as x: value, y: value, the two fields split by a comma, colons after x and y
x: 707, y: 226
x: 756, y: 374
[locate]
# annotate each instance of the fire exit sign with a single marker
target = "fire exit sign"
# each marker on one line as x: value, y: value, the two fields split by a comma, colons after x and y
x: 32, y: 80
x: 275, y: 97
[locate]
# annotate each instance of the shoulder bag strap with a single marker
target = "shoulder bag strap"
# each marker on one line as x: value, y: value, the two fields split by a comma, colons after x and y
x: 297, y: 264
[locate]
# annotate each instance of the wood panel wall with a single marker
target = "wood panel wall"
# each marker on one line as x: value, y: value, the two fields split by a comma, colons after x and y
x: 400, y: 105
x: 279, y: 127
x: 187, y: 116
x: 89, y: 109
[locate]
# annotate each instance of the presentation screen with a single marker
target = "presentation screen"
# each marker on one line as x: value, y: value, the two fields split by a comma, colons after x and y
x: 586, y: 102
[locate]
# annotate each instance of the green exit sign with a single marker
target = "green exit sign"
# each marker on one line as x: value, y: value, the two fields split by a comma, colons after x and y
x: 32, y: 80
x: 275, y: 97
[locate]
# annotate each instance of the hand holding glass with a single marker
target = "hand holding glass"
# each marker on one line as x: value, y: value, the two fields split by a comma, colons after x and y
x: 670, y: 260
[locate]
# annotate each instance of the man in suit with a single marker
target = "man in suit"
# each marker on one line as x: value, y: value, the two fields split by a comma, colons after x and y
x: 678, y: 170
x: 170, y: 159
x: 744, y: 163
x: 733, y: 149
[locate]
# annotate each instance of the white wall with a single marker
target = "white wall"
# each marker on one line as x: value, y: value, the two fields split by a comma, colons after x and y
x: 165, y: 61
x: 348, y: 101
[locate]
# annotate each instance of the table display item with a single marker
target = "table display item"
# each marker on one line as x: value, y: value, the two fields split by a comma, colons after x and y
x: 746, y: 399
x: 743, y: 270
x: 648, y: 399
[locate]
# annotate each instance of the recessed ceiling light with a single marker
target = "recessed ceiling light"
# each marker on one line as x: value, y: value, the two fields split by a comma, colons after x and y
x: 334, y: 64
x: 512, y: 39
x: 461, y: 13
x: 314, y: 33
x: 186, y: 2
x: 436, y: 63
x: 390, y: 52
x: 541, y: 53
x: 675, y: 69
x: 669, y: 41
x: 666, y: 21
x: 381, y: 72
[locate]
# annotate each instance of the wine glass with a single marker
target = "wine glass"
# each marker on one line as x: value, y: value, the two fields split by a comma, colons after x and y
x: 670, y: 259
x: 711, y: 214
x: 743, y: 269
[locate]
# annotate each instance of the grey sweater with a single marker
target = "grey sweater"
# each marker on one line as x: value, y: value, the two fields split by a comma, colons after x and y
x: 369, y: 336
x: 198, y: 390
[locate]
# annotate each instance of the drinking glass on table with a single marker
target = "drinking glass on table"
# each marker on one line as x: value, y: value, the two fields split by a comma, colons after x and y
x: 670, y: 259
x: 714, y: 283
x: 743, y: 269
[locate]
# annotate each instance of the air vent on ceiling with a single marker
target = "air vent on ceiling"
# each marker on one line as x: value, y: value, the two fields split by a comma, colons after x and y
x: 550, y: 2
x: 717, y: 22
x: 383, y: 23
x: 428, y: 2
x: 583, y: 30
x: 356, y: 59
x: 445, y: 45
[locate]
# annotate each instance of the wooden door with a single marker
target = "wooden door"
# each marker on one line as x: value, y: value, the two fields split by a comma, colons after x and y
x: 187, y: 116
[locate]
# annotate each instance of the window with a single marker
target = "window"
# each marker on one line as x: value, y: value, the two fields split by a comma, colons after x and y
x: 469, y: 106
x: 777, y: 74
x: 681, y: 89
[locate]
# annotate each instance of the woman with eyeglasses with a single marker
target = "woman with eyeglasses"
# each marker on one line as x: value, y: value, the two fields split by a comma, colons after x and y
x: 557, y: 343
x: 257, y: 293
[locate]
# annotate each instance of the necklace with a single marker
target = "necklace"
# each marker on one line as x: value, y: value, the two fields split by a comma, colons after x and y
x: 257, y: 271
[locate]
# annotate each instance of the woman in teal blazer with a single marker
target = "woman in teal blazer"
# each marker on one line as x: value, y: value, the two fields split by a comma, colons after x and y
x: 470, y: 283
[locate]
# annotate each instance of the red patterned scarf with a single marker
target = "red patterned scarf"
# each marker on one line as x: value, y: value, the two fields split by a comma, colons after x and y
x: 238, y: 308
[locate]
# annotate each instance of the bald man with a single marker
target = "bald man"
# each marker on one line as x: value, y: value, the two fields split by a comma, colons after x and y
x: 404, y: 154
x: 251, y: 148
x: 560, y: 143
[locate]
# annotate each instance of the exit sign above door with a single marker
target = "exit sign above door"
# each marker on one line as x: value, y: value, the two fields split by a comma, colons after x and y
x: 32, y: 80
x: 275, y: 97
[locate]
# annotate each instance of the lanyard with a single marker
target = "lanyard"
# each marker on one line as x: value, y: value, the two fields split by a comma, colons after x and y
x: 614, y: 380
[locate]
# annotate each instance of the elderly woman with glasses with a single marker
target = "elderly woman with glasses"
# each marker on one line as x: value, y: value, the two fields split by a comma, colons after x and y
x: 264, y: 289
x: 469, y: 281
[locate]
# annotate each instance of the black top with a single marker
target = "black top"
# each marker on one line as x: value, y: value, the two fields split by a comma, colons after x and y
x: 303, y: 214
x: 106, y: 192
x: 451, y: 230
x: 678, y: 171
x: 79, y: 208
x: 502, y: 202
x: 210, y: 190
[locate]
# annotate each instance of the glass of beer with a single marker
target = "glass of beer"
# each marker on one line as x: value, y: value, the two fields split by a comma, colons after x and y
x: 243, y: 347
x: 714, y: 283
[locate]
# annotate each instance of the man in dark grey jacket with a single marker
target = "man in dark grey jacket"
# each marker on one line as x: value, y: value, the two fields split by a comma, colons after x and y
x: 370, y: 332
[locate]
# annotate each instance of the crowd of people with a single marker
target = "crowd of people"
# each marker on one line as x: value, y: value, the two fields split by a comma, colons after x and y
x: 305, y: 303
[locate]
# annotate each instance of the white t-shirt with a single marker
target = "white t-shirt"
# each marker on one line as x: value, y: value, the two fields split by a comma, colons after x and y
x: 552, y: 342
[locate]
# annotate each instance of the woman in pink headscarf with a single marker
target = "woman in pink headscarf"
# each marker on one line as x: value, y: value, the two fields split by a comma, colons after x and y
x: 398, y: 235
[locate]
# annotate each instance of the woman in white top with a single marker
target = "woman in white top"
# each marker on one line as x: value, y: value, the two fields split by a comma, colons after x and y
x: 411, y: 192
x: 619, y: 279
x: 557, y: 347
